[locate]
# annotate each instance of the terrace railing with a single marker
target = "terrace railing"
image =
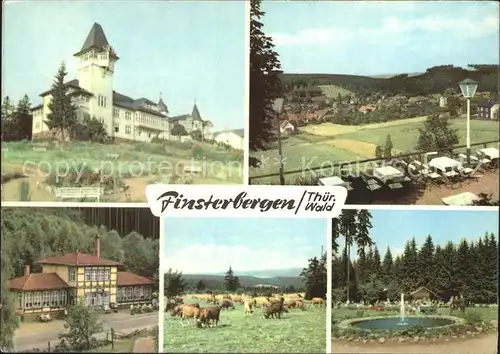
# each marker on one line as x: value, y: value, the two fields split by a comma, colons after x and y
x: 357, y: 162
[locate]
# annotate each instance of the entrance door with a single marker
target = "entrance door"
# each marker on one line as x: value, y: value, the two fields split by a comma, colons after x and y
x: 105, y: 298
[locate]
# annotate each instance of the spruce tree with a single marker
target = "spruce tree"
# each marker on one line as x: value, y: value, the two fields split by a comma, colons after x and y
x: 62, y: 114
x: 265, y: 83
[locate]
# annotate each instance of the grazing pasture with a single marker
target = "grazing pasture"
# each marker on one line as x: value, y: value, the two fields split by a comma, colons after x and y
x: 297, y: 331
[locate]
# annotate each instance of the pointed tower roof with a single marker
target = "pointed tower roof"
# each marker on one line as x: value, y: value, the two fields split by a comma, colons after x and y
x: 162, y: 104
x: 196, y: 113
x: 95, y: 39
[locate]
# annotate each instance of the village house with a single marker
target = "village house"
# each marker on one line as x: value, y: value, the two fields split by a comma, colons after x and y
x: 232, y: 138
x: 417, y: 100
x: 367, y: 108
x: 64, y: 279
x: 423, y: 293
x: 286, y: 128
x: 123, y: 117
x: 487, y: 109
x: 443, y: 102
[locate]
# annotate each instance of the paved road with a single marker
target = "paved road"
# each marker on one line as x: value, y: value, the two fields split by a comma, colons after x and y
x: 29, y: 339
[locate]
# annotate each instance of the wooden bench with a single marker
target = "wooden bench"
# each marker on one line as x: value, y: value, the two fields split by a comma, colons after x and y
x: 80, y: 193
x: 194, y: 170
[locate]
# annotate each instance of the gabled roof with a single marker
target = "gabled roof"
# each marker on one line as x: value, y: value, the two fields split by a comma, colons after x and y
x: 123, y: 101
x: 181, y: 117
x: 127, y: 278
x: 78, y: 259
x: 239, y: 132
x: 38, y: 281
x: 486, y: 103
x: 422, y: 288
x: 196, y: 113
x: 73, y: 84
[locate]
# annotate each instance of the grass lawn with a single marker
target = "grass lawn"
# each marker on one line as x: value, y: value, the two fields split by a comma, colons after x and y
x: 329, y: 142
x: 297, y: 332
x: 344, y: 313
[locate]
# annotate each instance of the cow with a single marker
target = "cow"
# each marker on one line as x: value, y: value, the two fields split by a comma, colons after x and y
x: 296, y: 304
x: 207, y: 314
x: 227, y: 304
x: 275, y: 309
x: 190, y: 312
x: 248, y: 305
x: 318, y: 301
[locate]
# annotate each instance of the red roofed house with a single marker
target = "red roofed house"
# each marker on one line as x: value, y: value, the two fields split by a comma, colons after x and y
x: 367, y: 108
x: 78, y: 275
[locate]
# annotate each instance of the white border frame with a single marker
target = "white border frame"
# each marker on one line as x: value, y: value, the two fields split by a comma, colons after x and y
x: 329, y: 276
x: 161, y: 290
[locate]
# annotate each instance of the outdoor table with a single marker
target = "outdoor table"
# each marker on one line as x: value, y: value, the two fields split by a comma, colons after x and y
x: 395, y: 186
x: 387, y: 173
x: 462, y: 199
x: 444, y: 164
x: 490, y: 153
x: 335, y: 181
x: 450, y: 174
x: 434, y: 175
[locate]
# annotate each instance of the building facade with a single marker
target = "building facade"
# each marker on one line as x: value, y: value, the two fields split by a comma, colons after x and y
x: 232, y: 138
x: 488, y: 109
x: 64, y: 279
x: 94, y: 96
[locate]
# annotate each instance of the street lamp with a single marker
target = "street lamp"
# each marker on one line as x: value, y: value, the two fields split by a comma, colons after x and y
x: 468, y: 88
x: 278, y: 104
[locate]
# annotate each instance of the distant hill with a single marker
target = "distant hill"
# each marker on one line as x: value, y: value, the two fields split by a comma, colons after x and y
x: 217, y: 281
x: 434, y: 80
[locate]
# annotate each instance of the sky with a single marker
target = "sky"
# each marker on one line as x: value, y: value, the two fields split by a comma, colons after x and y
x: 185, y: 50
x: 394, y: 227
x: 210, y: 246
x: 376, y: 38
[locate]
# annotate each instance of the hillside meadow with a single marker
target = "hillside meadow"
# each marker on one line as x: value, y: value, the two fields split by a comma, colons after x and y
x: 128, y: 167
x: 327, y: 143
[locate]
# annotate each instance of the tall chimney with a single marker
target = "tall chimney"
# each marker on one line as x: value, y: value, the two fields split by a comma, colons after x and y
x: 98, y: 246
x: 27, y: 270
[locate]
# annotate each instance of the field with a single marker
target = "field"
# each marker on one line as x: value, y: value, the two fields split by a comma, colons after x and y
x: 136, y: 165
x: 297, y: 332
x: 328, y: 143
x: 332, y: 91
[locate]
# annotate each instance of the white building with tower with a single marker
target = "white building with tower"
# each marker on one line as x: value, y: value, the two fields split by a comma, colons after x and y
x: 124, y: 117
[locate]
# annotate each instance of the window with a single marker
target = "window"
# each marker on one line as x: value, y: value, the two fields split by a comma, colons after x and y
x: 37, y: 125
x: 141, y: 293
x: 87, y: 274
x: 101, y: 275
x: 101, y: 101
x: 72, y: 275
x: 118, y: 294
x: 128, y: 130
x: 53, y: 298
x: 94, y: 275
x: 46, y: 298
x: 116, y: 113
x: 117, y: 128
x: 63, y: 299
x: 37, y: 299
x: 128, y: 115
x: 28, y: 300
x: 107, y: 274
